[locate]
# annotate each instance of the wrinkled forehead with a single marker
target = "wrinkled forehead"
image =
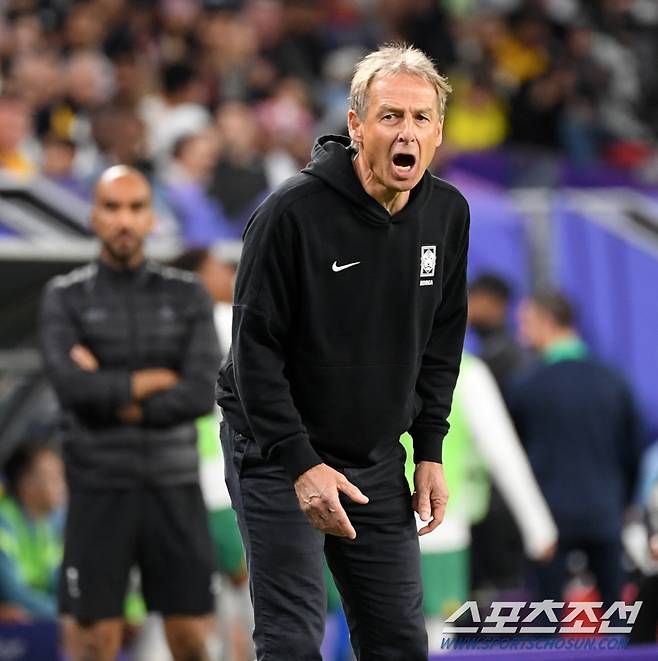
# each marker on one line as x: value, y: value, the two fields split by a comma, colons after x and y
x: 408, y: 89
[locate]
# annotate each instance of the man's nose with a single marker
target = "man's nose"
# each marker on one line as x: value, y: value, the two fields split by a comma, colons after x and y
x: 406, y: 134
x: 123, y: 218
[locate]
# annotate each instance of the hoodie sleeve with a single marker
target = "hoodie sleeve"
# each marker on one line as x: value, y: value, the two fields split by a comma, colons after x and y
x: 440, y: 363
x: 266, y: 298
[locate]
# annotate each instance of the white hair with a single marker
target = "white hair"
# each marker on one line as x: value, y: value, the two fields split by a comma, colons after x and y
x: 390, y: 60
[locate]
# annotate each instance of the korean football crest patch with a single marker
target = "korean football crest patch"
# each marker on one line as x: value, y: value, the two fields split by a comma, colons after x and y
x: 427, y: 261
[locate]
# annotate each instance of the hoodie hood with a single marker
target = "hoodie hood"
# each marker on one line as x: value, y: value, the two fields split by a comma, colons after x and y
x: 331, y: 161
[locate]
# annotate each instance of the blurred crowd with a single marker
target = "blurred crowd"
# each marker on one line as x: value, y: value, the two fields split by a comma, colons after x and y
x: 218, y: 101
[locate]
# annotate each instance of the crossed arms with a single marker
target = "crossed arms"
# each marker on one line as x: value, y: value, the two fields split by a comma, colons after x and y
x: 158, y: 397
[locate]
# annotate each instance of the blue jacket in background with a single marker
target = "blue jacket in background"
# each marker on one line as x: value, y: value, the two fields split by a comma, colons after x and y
x: 584, y: 439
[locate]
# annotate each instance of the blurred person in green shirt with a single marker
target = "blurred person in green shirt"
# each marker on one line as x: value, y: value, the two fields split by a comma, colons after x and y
x: 31, y: 533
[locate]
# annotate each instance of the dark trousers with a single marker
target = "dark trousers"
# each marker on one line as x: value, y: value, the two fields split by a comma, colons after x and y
x: 377, y: 574
x: 646, y: 626
x: 604, y: 561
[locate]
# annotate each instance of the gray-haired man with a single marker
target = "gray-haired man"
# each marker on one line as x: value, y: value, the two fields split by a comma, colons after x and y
x: 349, y: 318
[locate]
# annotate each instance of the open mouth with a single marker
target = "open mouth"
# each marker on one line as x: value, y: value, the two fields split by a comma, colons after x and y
x: 404, y: 162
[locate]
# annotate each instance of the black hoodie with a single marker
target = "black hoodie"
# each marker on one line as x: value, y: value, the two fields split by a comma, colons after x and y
x: 348, y: 323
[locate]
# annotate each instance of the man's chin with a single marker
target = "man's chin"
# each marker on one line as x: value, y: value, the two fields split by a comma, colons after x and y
x: 404, y: 185
x: 122, y: 254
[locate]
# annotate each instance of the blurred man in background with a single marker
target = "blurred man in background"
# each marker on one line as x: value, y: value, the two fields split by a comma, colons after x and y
x: 31, y: 533
x: 578, y: 422
x: 131, y: 351
x: 488, y: 311
x: 489, y: 297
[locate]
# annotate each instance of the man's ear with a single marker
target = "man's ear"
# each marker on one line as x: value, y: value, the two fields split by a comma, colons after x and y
x: 355, y: 127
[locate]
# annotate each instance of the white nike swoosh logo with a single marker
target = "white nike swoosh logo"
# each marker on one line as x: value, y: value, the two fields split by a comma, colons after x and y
x: 335, y: 268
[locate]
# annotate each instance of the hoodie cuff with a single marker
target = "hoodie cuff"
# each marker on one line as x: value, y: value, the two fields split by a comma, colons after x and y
x: 428, y: 446
x: 296, y: 455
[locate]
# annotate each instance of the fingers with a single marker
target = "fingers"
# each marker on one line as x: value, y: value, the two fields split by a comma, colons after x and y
x: 434, y: 523
x: 318, y: 492
x: 438, y: 506
x: 422, y: 504
x: 438, y: 511
x: 83, y: 358
x: 329, y: 517
x: 352, y: 491
x: 342, y: 525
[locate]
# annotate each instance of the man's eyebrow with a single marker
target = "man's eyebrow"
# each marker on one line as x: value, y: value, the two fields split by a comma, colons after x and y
x: 386, y: 107
x: 142, y: 201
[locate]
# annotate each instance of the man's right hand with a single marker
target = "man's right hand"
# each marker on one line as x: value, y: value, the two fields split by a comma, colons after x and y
x: 147, y: 382
x: 317, y: 492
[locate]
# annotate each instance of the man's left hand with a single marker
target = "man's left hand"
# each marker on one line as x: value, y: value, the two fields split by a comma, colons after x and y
x: 430, y: 494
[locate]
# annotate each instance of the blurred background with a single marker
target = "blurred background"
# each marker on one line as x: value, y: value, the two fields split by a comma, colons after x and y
x: 551, y: 133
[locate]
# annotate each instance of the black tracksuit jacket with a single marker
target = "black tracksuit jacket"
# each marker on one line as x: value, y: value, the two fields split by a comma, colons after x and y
x: 348, y: 323
x: 153, y: 316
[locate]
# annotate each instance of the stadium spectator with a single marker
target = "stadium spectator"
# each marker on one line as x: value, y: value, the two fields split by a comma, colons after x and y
x: 84, y: 27
x: 131, y: 351
x: 522, y: 53
x: 15, y: 129
x: 31, y: 535
x: 579, y: 425
x: 566, y: 82
x: 88, y: 83
x: 287, y: 124
x: 202, y: 219
x: 231, y: 59
x: 58, y: 164
x: 582, y: 130
x: 130, y: 75
x: 176, y: 111
x: 478, y: 117
x: 241, y: 178
x: 36, y: 77
x: 120, y: 137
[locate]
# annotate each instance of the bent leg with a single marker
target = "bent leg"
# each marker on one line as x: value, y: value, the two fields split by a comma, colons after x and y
x: 378, y: 573
x: 284, y: 555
